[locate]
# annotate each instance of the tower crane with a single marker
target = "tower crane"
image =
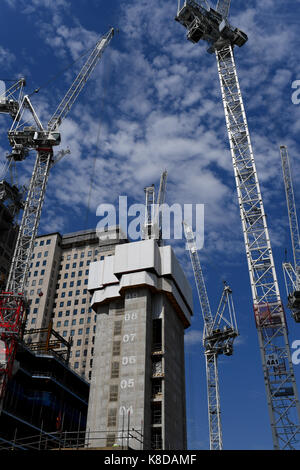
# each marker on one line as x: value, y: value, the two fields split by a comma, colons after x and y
x: 22, y: 139
x: 291, y: 272
x: 212, y: 26
x: 152, y: 225
x: 219, y: 334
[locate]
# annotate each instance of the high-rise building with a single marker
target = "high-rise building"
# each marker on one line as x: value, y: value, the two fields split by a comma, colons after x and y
x: 143, y: 302
x: 57, y: 289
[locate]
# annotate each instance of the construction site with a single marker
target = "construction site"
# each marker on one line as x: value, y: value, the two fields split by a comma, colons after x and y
x: 96, y: 327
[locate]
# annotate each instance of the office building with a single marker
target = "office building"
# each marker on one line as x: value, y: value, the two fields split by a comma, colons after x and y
x: 57, y: 289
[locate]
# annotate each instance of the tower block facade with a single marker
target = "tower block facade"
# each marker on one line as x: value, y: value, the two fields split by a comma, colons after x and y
x: 144, y: 304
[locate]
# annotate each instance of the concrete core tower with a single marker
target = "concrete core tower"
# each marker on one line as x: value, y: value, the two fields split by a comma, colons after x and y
x: 144, y: 304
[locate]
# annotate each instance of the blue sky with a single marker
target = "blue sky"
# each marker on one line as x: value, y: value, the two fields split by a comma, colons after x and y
x: 154, y: 102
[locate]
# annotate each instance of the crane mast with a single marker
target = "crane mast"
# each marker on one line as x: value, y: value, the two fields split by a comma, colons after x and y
x: 218, y: 336
x: 152, y: 224
x: 279, y: 378
x: 291, y: 272
x: 23, y: 139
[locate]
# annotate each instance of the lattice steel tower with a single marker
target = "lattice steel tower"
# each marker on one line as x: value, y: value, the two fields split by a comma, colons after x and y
x: 219, y: 333
x: 212, y: 26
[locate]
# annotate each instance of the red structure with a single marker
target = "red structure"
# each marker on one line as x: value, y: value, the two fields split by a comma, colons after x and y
x: 12, y: 310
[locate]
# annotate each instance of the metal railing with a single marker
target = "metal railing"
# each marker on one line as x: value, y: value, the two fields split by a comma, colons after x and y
x: 76, y: 440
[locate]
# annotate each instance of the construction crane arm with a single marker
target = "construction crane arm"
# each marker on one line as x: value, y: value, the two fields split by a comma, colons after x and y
x: 199, y: 279
x: 76, y: 87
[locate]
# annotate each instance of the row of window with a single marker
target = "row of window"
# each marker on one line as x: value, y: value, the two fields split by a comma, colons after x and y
x: 75, y: 311
x: 37, y: 264
x: 73, y: 322
x: 78, y: 283
x: 42, y: 242
x: 39, y: 254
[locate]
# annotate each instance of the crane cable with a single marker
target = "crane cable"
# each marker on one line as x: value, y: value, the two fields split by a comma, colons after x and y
x: 55, y: 77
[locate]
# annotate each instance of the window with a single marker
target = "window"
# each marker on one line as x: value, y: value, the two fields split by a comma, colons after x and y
x: 86, y: 281
x: 81, y: 264
x: 64, y: 333
x: 33, y: 321
x: 116, y: 348
x: 36, y: 264
x: 68, y: 257
x: 77, y: 353
x: 37, y: 300
x: 82, y: 310
x: 80, y: 331
x: 69, y: 303
x: 41, y: 242
x: 64, y: 285
x: 73, y: 274
x: 113, y: 393
x: 72, y: 333
x: 41, y: 282
x: 70, y: 293
x: 79, y: 273
x: 75, y: 256
x: 76, y: 365
x: 33, y: 282
x: 59, y: 314
x: 58, y: 324
x: 31, y: 292
x: 39, y: 255
x: 117, y: 327
x: 78, y: 283
x: 63, y: 294
x: 35, y: 273
x: 61, y: 304
x: 112, y: 417
x: 87, y: 331
x: 66, y: 323
x: 73, y: 322
x: 46, y: 254
x: 82, y: 254
x: 35, y: 310
x: 67, y: 313
x: 77, y: 292
x: 42, y: 272
x: 72, y: 284
x: 83, y: 301
x: 48, y: 241
x: 79, y: 342
x: 66, y: 276
x: 45, y: 263
x: 74, y: 265
x: 75, y: 311
x: 115, y: 368
x: 81, y: 321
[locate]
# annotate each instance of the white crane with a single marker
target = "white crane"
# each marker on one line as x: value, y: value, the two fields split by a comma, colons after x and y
x: 219, y: 333
x: 152, y: 225
x: 291, y: 271
x: 24, y: 138
x: 212, y: 26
